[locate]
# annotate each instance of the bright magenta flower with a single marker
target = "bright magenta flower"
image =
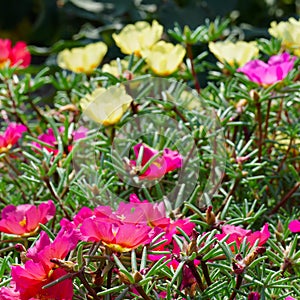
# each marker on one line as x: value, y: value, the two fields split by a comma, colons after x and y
x: 49, y: 138
x: 269, y: 73
x: 254, y: 296
x: 12, y: 56
x: 11, y: 136
x: 39, y: 271
x: 24, y: 219
x: 169, y: 161
x: 118, y: 237
x: 9, y: 293
x: 238, y: 234
x: 294, y: 226
x: 289, y: 298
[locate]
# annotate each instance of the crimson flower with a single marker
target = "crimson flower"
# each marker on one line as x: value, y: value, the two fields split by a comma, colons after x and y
x: 118, y: 237
x: 24, y: 219
x: 11, y: 135
x: 269, y: 73
x: 14, y: 56
x: 238, y: 234
x: 294, y: 226
x: 169, y: 161
x: 39, y: 271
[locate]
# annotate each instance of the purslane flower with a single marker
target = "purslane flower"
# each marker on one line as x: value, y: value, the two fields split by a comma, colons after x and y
x: 106, y: 106
x: 49, y: 138
x: 238, y: 234
x: 82, y: 59
x: 14, y: 56
x: 11, y: 136
x: 169, y: 161
x: 234, y: 53
x: 139, y: 36
x: 38, y: 270
x: 118, y: 237
x: 294, y: 226
x: 24, y: 219
x: 269, y: 73
x: 289, y: 34
x: 164, y: 58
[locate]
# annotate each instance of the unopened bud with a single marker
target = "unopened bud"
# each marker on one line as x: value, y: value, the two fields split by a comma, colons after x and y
x: 210, y: 216
x: 137, y: 276
x: 241, y: 105
x: 68, y: 266
x: 254, y: 95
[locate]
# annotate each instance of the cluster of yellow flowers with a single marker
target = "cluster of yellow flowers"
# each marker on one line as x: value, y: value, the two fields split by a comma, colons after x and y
x: 241, y: 52
x: 107, y: 106
x: 140, y: 39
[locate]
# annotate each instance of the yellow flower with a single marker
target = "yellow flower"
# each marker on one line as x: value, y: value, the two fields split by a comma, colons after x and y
x: 288, y: 32
x: 82, y: 59
x: 164, y: 58
x: 106, y: 106
x: 141, y: 35
x: 114, y: 67
x: 240, y: 52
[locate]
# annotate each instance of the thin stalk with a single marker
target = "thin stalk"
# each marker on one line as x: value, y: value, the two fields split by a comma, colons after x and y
x: 54, y: 194
x: 189, y: 52
x: 267, y: 118
x: 238, y: 284
x: 205, y: 272
x: 196, y: 275
x: 260, y: 132
x: 285, y: 198
x: 142, y: 292
x: 83, y: 280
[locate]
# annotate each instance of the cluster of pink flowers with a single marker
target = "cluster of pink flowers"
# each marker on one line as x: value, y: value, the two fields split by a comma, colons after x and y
x: 14, y: 56
x: 40, y: 269
x: 131, y: 225
x: 49, y: 138
x: 11, y: 136
x: 269, y: 73
x: 167, y: 162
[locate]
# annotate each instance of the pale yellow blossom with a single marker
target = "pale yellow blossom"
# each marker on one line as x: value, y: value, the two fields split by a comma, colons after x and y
x: 288, y: 32
x: 82, y: 59
x: 115, y: 68
x: 164, y: 58
x: 240, y: 52
x: 106, y: 106
x: 135, y: 37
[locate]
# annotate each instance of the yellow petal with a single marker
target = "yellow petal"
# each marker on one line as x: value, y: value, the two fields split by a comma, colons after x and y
x: 106, y: 106
x: 141, y: 35
x: 82, y: 59
x: 164, y: 58
x: 240, y: 52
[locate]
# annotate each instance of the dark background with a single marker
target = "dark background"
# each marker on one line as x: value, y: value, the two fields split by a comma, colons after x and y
x: 44, y: 23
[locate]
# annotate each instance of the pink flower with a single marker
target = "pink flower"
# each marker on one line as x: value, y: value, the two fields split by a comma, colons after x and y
x: 39, y: 271
x: 294, y: 226
x: 49, y: 138
x: 289, y: 298
x: 169, y: 161
x: 24, y: 219
x: 11, y: 136
x: 118, y: 237
x: 254, y: 296
x: 269, y: 73
x: 9, y: 293
x: 238, y: 234
x: 12, y: 56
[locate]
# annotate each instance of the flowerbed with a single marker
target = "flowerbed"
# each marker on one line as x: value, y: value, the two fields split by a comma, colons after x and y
x: 131, y: 180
